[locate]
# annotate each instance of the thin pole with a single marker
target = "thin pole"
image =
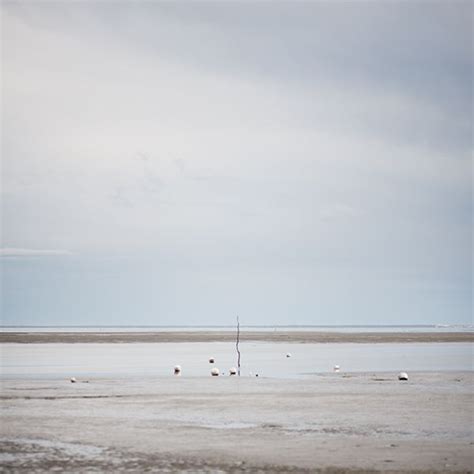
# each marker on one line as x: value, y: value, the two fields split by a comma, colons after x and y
x: 237, y: 346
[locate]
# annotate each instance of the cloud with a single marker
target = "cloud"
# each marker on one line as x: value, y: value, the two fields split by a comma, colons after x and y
x: 151, y: 183
x: 180, y: 165
x: 120, y: 197
x: 16, y: 252
x: 265, y: 137
x: 338, y: 211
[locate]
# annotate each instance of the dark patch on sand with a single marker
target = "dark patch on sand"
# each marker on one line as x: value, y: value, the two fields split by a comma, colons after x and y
x: 64, y: 397
x: 28, y: 456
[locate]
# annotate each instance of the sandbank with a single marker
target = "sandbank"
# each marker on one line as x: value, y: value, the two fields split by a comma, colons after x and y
x: 227, y: 336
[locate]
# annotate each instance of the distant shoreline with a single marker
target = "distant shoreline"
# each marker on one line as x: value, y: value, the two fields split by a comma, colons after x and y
x: 231, y: 326
x: 229, y: 336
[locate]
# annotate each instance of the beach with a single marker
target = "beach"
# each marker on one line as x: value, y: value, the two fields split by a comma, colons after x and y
x: 126, y: 411
x: 236, y: 237
x: 346, y: 422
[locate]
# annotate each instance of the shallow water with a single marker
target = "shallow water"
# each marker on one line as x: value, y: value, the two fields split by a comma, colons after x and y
x: 263, y: 358
x: 328, y: 328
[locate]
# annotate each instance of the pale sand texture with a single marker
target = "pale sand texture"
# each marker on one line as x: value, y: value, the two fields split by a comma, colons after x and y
x: 229, y: 336
x: 327, y: 423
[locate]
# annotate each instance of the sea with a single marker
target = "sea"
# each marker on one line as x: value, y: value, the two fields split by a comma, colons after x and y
x: 284, y: 328
x: 264, y: 359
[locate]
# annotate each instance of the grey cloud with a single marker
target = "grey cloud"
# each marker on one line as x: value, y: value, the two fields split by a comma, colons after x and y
x: 338, y: 211
x: 422, y: 49
x: 419, y: 53
x: 120, y: 197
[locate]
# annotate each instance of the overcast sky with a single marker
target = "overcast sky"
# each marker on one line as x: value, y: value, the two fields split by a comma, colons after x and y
x: 181, y: 163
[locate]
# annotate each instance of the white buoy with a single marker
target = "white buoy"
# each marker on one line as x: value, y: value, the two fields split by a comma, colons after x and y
x: 211, y: 360
x: 215, y: 372
x: 288, y: 355
x: 177, y: 370
x: 402, y: 376
x: 233, y: 371
x: 337, y: 368
x: 73, y: 380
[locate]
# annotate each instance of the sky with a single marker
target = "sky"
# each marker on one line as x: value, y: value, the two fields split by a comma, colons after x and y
x: 181, y: 163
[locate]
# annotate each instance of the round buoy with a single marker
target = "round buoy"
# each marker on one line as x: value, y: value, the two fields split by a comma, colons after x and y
x: 215, y: 372
x: 337, y: 368
x: 177, y: 370
x: 288, y: 355
x: 73, y: 380
x: 211, y: 360
x: 402, y: 376
x: 233, y: 371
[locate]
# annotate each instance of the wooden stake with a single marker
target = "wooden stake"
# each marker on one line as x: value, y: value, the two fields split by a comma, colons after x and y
x: 237, y: 346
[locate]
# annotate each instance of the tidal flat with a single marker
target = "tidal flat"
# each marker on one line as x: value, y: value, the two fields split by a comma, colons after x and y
x: 327, y: 422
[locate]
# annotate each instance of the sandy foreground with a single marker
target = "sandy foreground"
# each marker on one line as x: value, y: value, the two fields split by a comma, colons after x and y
x: 229, y: 336
x: 325, y: 423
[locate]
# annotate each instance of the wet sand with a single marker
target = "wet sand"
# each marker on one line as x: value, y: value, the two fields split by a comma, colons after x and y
x: 229, y: 336
x: 363, y: 422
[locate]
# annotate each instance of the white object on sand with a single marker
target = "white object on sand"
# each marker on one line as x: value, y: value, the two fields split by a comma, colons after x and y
x: 402, y: 376
x: 288, y: 355
x: 215, y: 372
x: 211, y: 360
x: 73, y: 380
x: 177, y: 370
x: 233, y: 371
x: 337, y: 368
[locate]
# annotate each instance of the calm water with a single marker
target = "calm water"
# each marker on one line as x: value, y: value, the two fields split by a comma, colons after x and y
x: 266, y: 359
x: 421, y: 328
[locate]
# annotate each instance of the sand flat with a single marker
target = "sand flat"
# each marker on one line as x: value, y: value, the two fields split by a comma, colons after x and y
x: 229, y: 336
x: 330, y: 423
